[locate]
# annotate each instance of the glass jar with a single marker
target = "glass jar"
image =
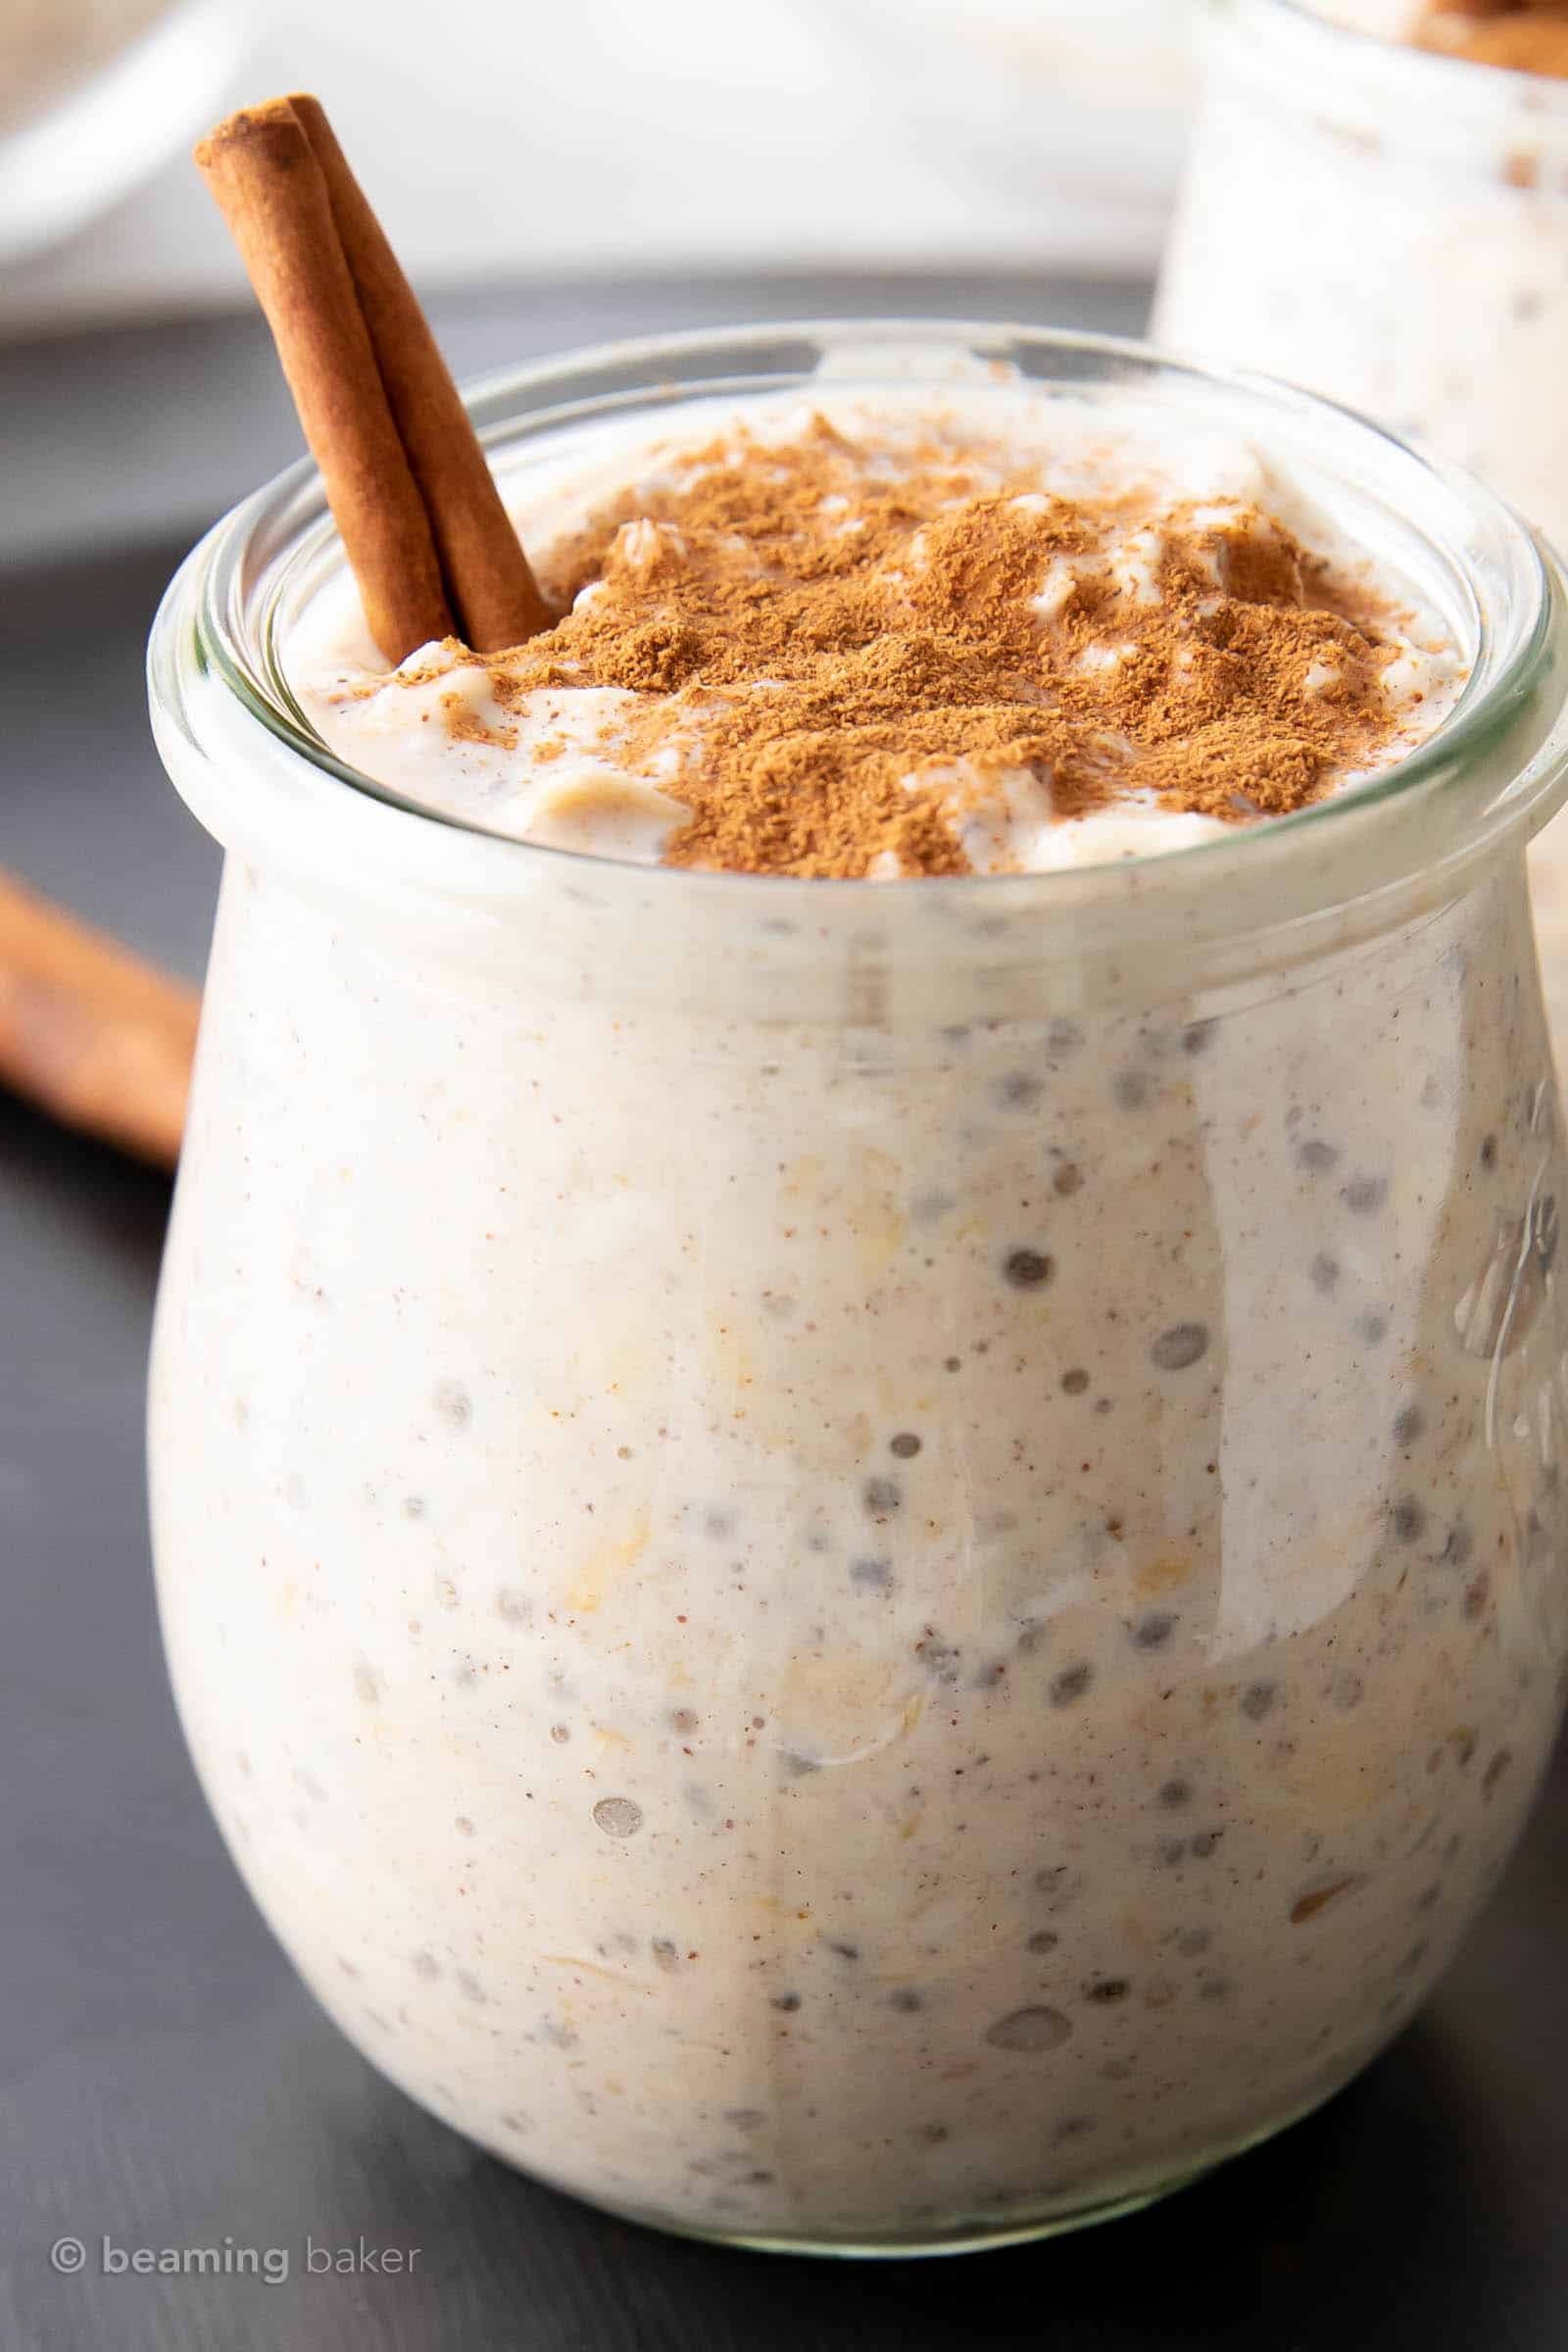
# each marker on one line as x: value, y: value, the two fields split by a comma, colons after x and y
x: 868, y: 1568
x: 1386, y: 225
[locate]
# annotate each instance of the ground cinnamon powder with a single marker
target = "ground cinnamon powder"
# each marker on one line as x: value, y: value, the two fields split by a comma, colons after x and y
x: 1530, y: 36
x: 839, y: 651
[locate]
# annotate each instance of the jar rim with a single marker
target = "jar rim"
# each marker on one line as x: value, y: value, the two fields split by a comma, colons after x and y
x: 214, y: 627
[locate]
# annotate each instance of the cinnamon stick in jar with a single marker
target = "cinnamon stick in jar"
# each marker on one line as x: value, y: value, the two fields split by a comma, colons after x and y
x: 431, y: 546
x: 87, y: 1030
x: 261, y: 168
x: 489, y: 583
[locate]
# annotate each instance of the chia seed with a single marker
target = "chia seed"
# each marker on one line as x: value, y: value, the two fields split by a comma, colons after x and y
x: 1028, y: 1269
x: 618, y: 1817
x: 1030, y: 2030
x: 453, y: 1403
x: 1070, y: 1685
x: 1364, y: 1195
x: 1183, y: 1344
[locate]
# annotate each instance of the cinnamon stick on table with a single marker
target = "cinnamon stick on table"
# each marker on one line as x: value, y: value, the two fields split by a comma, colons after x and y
x: 432, y: 545
x: 90, y: 1032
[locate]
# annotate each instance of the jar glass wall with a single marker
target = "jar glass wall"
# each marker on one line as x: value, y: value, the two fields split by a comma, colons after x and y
x: 858, y: 1567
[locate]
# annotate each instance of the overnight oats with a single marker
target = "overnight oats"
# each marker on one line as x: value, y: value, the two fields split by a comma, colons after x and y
x: 856, y: 1403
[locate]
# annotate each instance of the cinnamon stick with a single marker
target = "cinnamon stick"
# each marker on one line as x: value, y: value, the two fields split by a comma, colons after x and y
x: 260, y: 167
x: 89, y: 1032
x: 489, y: 582
x: 423, y: 524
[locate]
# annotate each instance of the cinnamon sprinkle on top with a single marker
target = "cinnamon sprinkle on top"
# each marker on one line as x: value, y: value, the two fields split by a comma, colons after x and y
x: 852, y: 649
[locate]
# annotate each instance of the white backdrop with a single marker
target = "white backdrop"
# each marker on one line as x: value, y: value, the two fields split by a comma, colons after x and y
x: 514, y: 137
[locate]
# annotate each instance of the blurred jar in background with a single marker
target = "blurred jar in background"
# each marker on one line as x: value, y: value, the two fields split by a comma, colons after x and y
x: 1389, y: 226
x: 94, y: 94
x: 1386, y: 225
x: 1073, y: 109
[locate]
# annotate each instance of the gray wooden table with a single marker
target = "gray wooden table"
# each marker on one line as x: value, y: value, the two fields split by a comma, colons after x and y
x: 164, y: 2080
